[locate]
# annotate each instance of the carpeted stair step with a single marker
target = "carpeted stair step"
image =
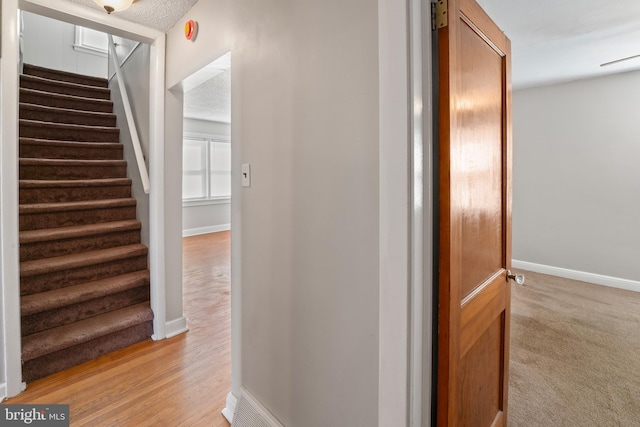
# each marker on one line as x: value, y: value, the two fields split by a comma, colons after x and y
x: 60, y: 307
x: 66, y: 132
x: 54, y: 242
x: 56, y: 349
x: 65, y: 88
x: 73, y: 190
x: 61, y: 115
x: 50, y: 149
x: 52, y: 169
x: 59, y: 272
x: 38, y: 97
x: 65, y: 76
x: 84, y: 278
x: 52, y: 215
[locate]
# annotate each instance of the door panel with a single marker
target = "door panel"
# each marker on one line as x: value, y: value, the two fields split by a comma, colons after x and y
x: 477, y: 164
x: 475, y: 218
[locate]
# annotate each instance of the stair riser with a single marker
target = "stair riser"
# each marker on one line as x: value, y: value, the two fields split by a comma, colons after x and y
x: 62, y: 279
x: 44, y: 151
x: 50, y: 172
x: 54, y: 100
x: 73, y: 194
x: 51, y: 87
x: 61, y: 76
x: 83, y: 310
x: 34, y: 221
x: 33, y: 251
x: 63, y: 359
x: 67, y: 117
x: 62, y: 133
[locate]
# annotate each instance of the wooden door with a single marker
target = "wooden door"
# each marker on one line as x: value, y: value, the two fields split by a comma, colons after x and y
x: 475, y: 218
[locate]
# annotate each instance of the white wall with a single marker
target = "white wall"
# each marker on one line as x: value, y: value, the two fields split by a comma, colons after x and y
x: 49, y: 43
x: 135, y: 72
x: 305, y: 115
x: 576, y: 197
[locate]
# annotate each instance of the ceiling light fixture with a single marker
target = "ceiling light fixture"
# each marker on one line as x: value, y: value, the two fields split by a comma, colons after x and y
x: 114, y: 5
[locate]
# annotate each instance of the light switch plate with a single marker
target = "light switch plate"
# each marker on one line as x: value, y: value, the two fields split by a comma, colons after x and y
x: 246, y: 175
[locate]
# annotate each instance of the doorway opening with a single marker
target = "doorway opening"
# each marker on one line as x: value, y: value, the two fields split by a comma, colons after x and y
x: 206, y: 213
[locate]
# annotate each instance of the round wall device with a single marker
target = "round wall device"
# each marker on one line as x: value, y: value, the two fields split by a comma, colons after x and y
x: 190, y: 29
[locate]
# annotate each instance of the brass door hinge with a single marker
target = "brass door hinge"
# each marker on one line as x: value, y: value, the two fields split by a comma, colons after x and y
x: 439, y: 17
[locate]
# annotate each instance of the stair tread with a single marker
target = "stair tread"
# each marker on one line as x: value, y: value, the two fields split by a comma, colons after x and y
x: 54, y: 82
x: 46, y: 108
x: 100, y: 81
x: 70, y: 206
x: 75, y: 144
x: 109, y: 129
x: 62, y: 183
x: 66, y: 262
x: 71, y: 162
x: 49, y: 341
x: 65, y: 96
x: 59, y: 233
x: 50, y: 300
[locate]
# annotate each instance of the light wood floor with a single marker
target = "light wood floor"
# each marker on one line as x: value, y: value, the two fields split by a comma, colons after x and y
x: 181, y: 381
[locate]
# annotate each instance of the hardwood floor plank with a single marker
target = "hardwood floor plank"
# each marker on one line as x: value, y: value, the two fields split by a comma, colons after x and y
x: 181, y: 381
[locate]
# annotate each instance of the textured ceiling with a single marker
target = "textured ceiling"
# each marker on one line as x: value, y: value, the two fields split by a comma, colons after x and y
x: 554, y: 41
x: 210, y: 100
x: 159, y: 14
x: 207, y: 93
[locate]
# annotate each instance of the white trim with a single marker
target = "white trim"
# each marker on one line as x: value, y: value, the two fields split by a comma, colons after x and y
x: 421, y: 226
x: 89, y: 50
x: 236, y: 236
x: 212, y: 136
x: 95, y: 19
x: 230, y: 407
x: 3, y: 391
x: 205, y: 230
x: 157, y: 257
x: 80, y: 46
x: 188, y: 203
x: 9, y: 247
x: 583, y: 276
x: 176, y: 327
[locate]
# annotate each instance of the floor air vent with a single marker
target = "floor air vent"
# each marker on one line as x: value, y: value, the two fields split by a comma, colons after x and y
x: 250, y: 413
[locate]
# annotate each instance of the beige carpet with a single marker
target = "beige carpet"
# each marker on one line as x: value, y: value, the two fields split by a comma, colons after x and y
x: 575, y: 354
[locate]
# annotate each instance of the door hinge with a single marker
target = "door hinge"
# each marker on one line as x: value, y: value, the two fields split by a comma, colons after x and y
x: 439, y: 17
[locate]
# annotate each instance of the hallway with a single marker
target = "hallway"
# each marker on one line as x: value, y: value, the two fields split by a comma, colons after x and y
x: 181, y: 381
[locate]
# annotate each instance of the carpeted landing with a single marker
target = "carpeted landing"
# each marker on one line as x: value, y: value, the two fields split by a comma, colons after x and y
x: 84, y: 278
x: 575, y: 354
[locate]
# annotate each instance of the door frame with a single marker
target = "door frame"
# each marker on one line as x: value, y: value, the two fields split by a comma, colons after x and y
x: 406, y: 213
x: 9, y: 80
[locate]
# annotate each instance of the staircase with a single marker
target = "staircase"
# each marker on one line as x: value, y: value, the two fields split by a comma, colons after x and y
x: 84, y: 278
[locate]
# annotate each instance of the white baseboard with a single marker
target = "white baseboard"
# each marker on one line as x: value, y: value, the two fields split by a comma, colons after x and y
x: 3, y: 391
x: 175, y: 327
x: 230, y: 407
x: 205, y: 230
x: 598, y: 279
